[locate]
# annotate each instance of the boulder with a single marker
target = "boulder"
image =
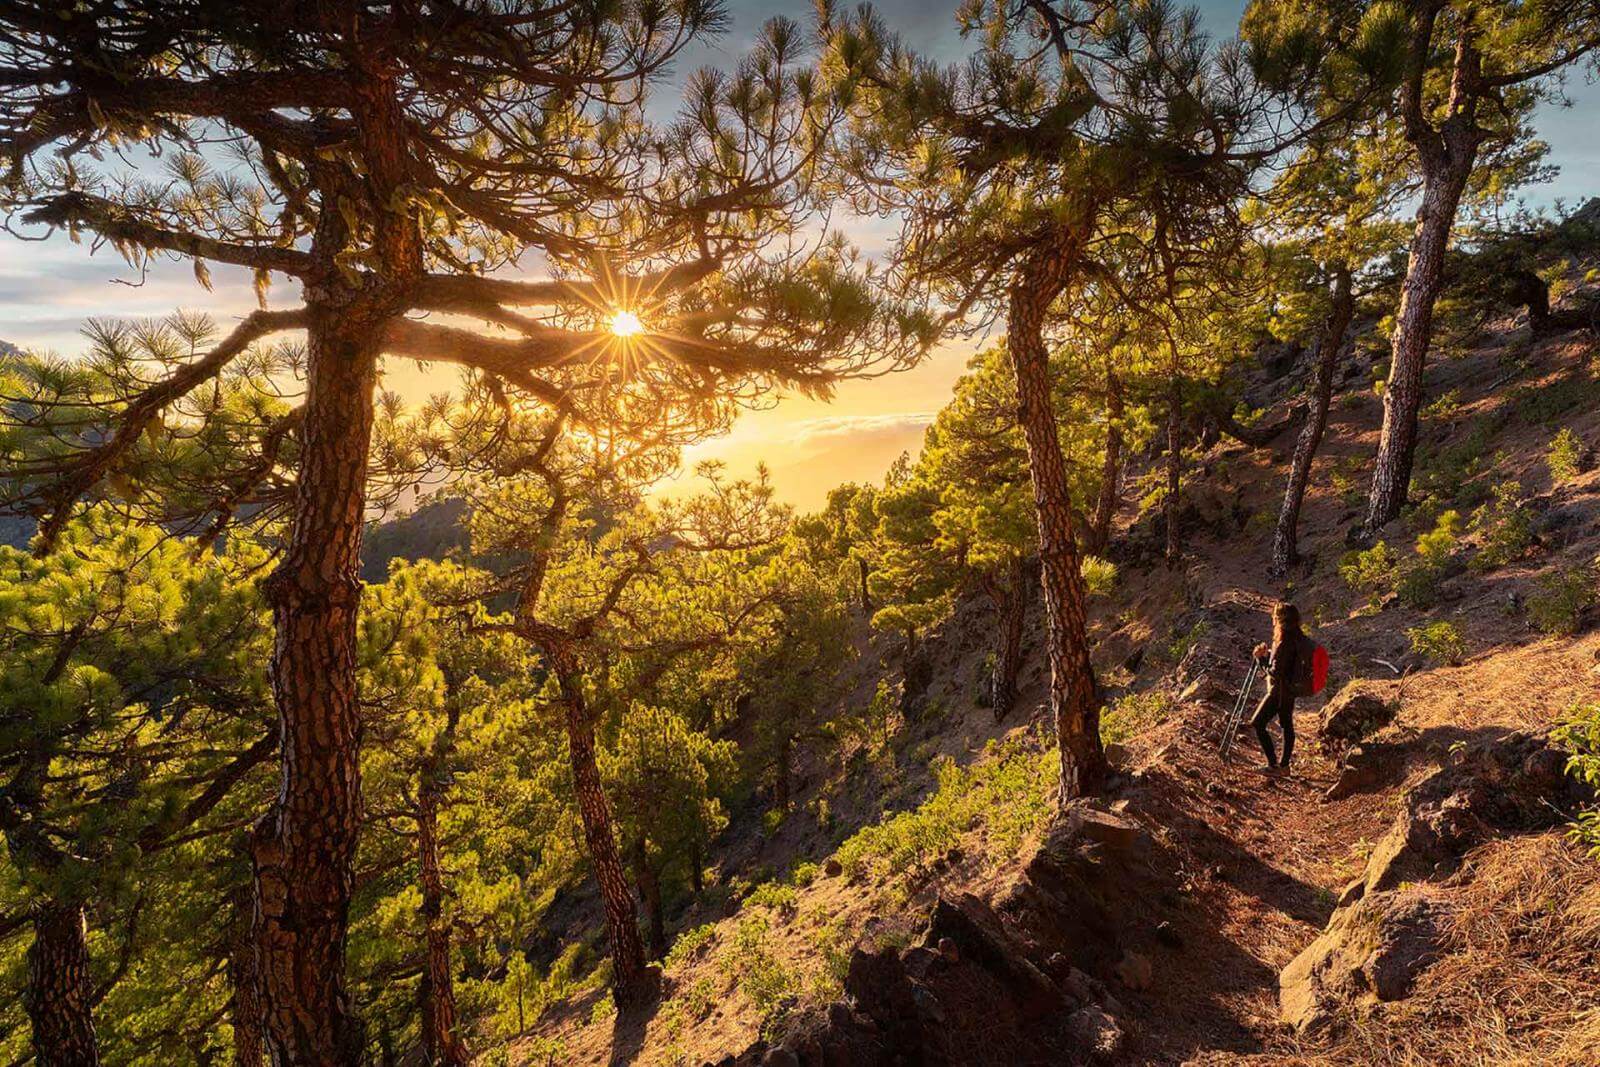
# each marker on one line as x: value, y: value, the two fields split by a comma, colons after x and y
x: 1387, y: 926
x: 1361, y: 709
x: 1372, y: 951
x: 1112, y: 830
x: 1096, y: 1033
x: 1365, y: 767
x: 978, y: 934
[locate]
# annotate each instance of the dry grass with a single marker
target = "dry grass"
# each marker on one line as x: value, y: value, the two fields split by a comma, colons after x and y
x: 1520, y: 979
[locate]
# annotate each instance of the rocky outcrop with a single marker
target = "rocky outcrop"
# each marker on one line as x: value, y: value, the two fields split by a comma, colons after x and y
x: 1361, y: 709
x: 1388, y: 925
x: 1007, y: 982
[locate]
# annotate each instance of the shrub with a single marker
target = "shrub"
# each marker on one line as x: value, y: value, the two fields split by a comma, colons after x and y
x: 804, y: 873
x: 1557, y: 607
x: 688, y: 943
x: 1132, y: 714
x: 1011, y: 792
x: 775, y: 895
x: 1441, y: 642
x: 1580, y: 733
x: 1566, y: 450
x: 765, y: 980
x: 1418, y: 585
x: 1099, y: 575
x: 1370, y: 571
x: 1506, y: 529
x: 1450, y: 477
x: 1181, y: 641
x: 1447, y: 406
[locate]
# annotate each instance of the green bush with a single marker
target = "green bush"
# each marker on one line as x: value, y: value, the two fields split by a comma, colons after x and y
x: 1563, y: 595
x: 1505, y: 527
x: 1370, y: 571
x: 1011, y: 791
x: 769, y: 984
x: 1441, y: 642
x: 775, y: 895
x: 1132, y: 714
x: 688, y: 943
x: 1566, y: 450
x: 1447, y: 406
x: 1580, y: 733
x: 1420, y: 577
x: 1099, y: 575
x: 804, y: 873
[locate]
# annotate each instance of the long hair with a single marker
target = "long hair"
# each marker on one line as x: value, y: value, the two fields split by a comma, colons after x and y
x: 1285, y: 623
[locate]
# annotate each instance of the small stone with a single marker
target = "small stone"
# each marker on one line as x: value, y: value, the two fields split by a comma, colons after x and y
x: 832, y: 868
x: 949, y: 950
x: 839, y: 1015
x: 1096, y: 1033
x: 1135, y: 971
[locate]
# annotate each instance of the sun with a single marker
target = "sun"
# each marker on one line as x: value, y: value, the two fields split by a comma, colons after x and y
x: 626, y: 324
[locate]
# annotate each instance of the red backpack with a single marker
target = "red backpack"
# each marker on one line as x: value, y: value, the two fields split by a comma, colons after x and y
x: 1310, y: 669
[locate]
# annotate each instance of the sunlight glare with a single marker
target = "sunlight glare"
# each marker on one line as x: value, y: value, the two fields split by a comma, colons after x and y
x: 626, y: 324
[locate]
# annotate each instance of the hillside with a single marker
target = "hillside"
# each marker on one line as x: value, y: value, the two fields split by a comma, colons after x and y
x: 1212, y: 877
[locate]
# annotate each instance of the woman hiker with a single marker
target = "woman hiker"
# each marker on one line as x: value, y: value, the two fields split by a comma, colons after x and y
x: 1281, y: 659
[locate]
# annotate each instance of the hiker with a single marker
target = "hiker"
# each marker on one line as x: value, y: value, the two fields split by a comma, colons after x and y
x: 1282, y: 661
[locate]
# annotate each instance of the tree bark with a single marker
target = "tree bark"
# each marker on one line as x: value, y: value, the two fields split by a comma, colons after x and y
x: 1105, y: 509
x: 650, y: 896
x: 1174, y: 464
x: 1074, y: 693
x: 303, y: 848
x: 249, y: 1045
x: 1010, y: 601
x: 59, y: 998
x: 634, y: 982
x: 1329, y: 345
x: 1447, y: 156
x: 697, y: 870
x: 866, y: 597
x: 442, y: 1045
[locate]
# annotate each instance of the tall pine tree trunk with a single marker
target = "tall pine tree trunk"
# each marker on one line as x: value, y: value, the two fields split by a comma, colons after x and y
x: 1010, y: 600
x: 1105, y: 509
x: 1174, y: 464
x: 442, y: 1045
x: 866, y: 596
x: 59, y: 997
x: 249, y: 1045
x: 1447, y: 156
x: 303, y: 848
x: 1329, y: 345
x: 634, y: 981
x: 1074, y: 693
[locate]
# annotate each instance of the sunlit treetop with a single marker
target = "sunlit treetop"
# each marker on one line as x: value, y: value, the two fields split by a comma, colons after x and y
x: 419, y: 159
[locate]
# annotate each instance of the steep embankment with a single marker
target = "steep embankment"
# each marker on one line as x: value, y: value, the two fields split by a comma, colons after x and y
x: 1162, y: 937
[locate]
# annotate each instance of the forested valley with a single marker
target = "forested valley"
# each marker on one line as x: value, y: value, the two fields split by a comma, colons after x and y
x: 351, y: 721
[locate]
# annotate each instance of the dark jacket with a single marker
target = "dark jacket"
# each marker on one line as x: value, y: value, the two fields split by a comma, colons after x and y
x: 1281, y: 667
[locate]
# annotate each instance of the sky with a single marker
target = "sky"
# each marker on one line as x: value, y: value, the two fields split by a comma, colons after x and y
x: 48, y: 288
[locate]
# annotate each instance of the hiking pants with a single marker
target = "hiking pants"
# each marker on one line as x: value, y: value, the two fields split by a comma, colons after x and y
x: 1279, y: 704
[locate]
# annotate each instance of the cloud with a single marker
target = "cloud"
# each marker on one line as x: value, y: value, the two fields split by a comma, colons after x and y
x: 833, y: 430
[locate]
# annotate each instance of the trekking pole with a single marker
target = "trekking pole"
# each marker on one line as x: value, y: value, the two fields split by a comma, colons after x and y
x: 1236, y: 716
